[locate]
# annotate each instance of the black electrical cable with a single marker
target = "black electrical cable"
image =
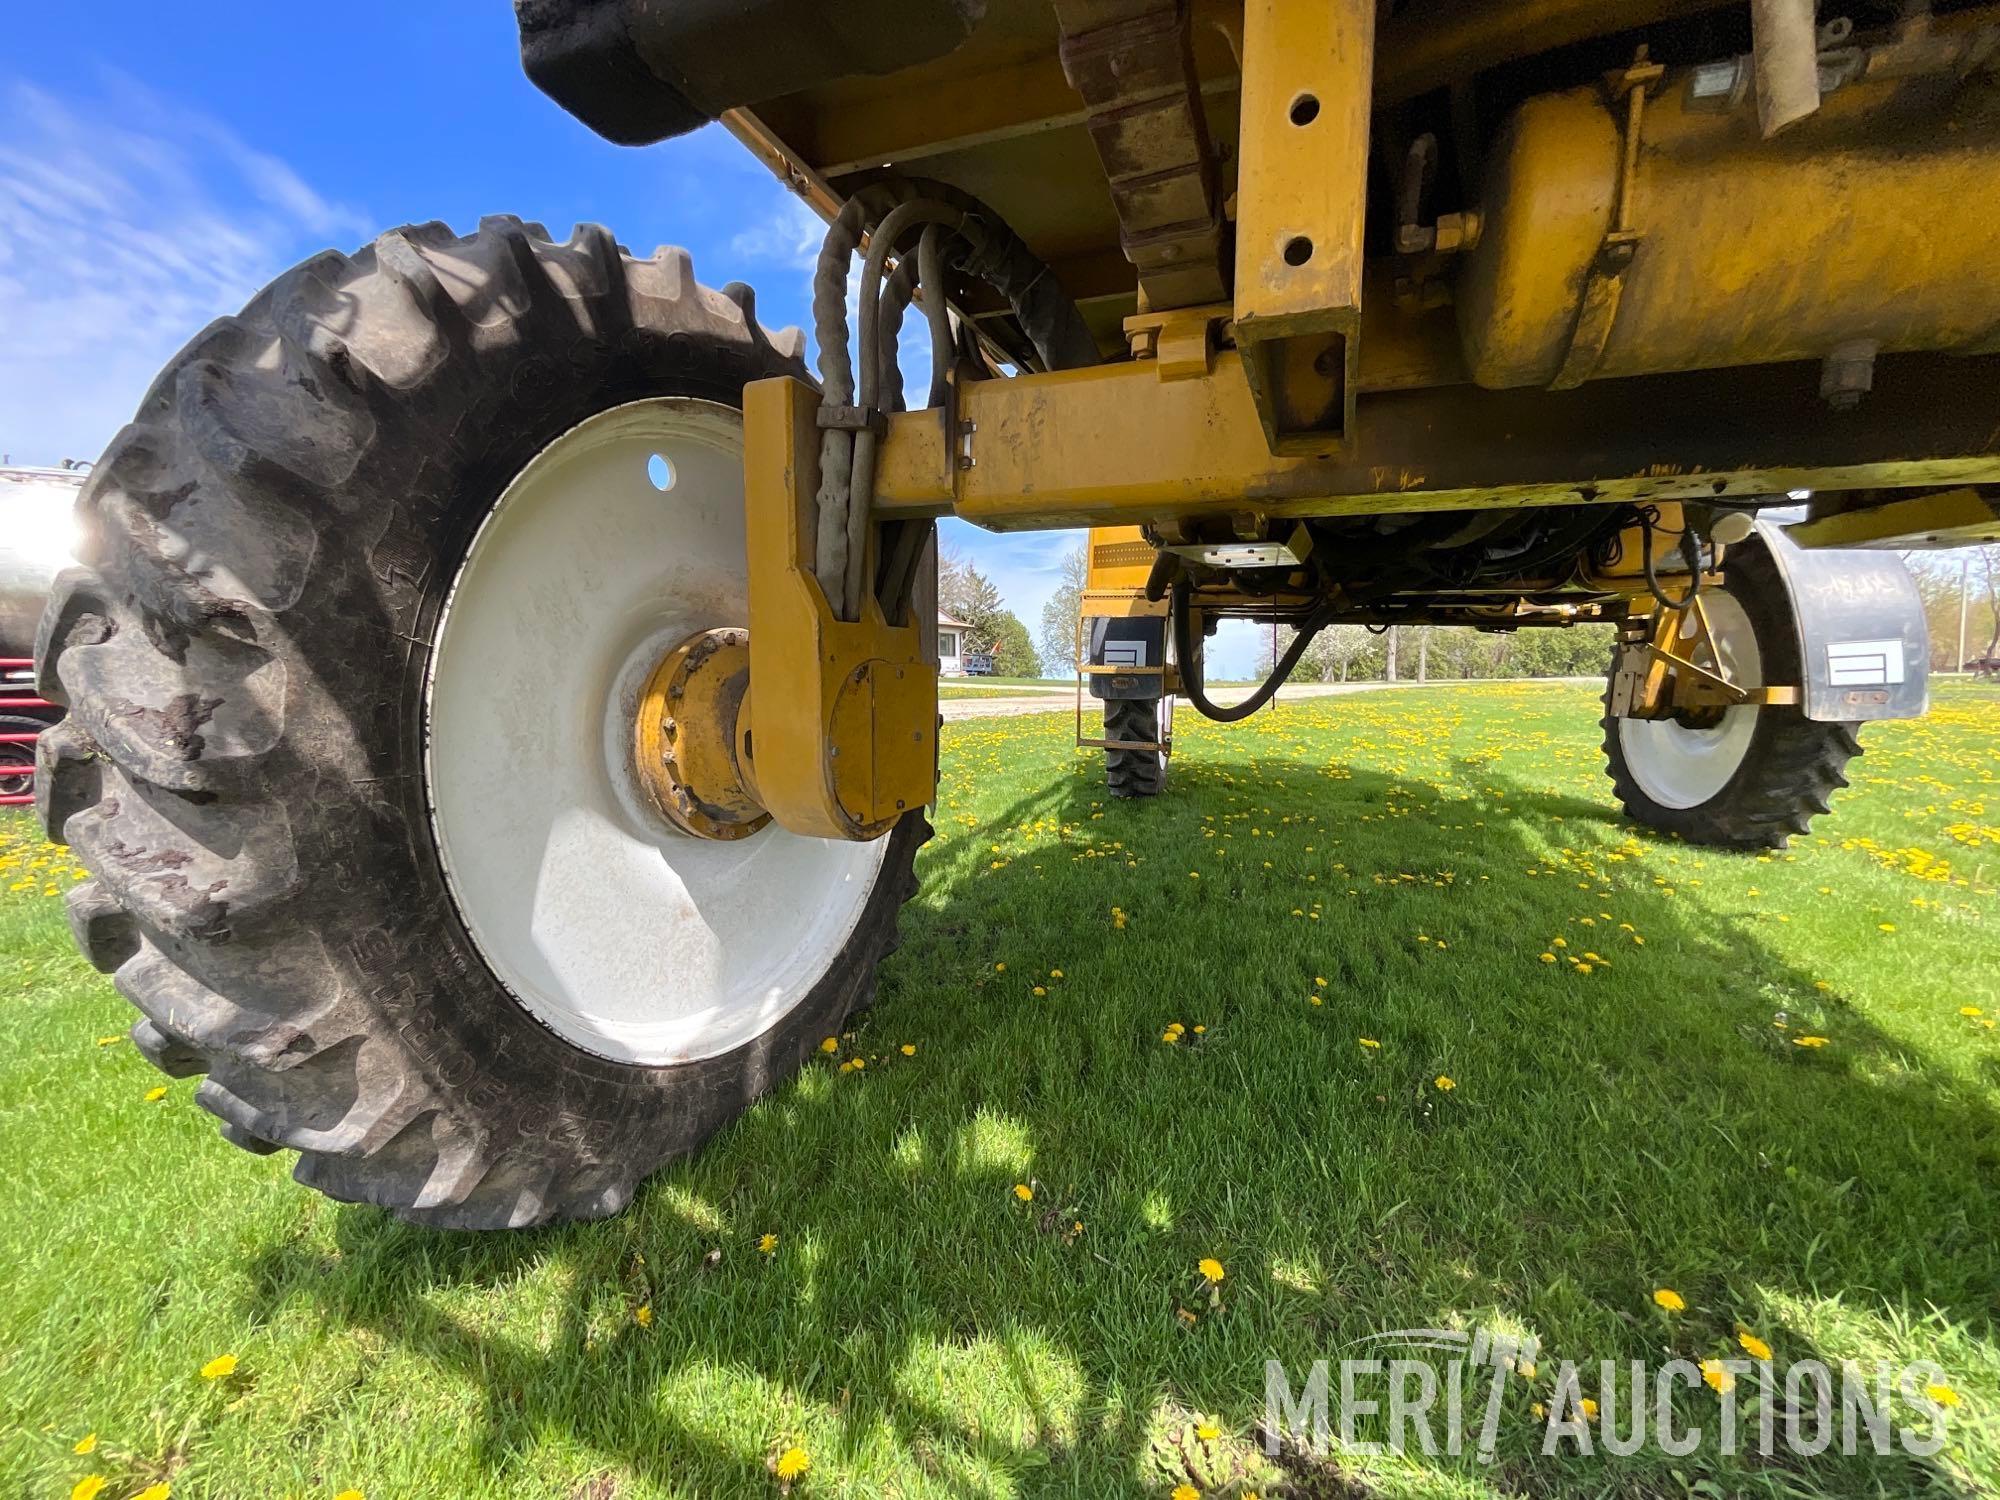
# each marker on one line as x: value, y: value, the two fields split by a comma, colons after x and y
x: 1690, y: 550
x: 1190, y: 660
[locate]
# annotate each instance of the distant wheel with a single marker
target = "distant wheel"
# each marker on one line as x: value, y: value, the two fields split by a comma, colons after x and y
x: 1753, y: 776
x: 1134, y: 773
x: 17, y: 762
x: 375, y: 580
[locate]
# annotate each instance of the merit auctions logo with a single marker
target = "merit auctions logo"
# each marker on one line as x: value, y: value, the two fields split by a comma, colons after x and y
x: 1440, y: 1390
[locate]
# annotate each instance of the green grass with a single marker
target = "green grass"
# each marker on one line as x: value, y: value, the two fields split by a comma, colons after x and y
x: 919, y: 1331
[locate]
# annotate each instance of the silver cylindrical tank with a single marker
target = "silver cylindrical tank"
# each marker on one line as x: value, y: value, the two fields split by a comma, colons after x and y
x: 37, y: 541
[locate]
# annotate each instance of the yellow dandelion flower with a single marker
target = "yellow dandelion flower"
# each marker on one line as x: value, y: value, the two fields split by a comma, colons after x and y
x: 792, y: 1463
x: 88, y: 1487
x: 1199, y: 1030
x: 1670, y: 1299
x: 643, y: 1315
x: 1537, y: 1410
x: 220, y: 1368
x: 1039, y: 991
x: 1751, y: 1345
x: 1713, y: 1374
x: 1943, y: 1395
x: 1055, y: 973
x: 1025, y: 1193
x: 768, y: 1244
x: 1963, y: 1010
x: 1808, y: 1041
x: 831, y: 1044
x: 1558, y: 942
x: 1589, y: 1409
x: 86, y: 1444
x: 908, y: 1049
x: 1211, y: 1270
x: 160, y: 1491
x: 1185, y: 1492
x: 1582, y: 968
x: 1444, y: 1083
x: 350, y: 1495
x: 155, y: 1095
x: 1369, y: 1042
x: 1548, y: 958
x: 997, y: 969
x: 1885, y: 926
x: 107, y: 1041
x: 1171, y: 1038
x: 1208, y: 1432
x: 1318, y: 982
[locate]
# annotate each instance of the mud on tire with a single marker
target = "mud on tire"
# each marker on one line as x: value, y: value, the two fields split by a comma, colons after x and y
x: 268, y: 547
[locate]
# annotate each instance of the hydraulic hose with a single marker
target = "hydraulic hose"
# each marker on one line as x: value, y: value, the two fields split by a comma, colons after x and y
x: 1690, y: 550
x: 1190, y: 661
x: 979, y: 246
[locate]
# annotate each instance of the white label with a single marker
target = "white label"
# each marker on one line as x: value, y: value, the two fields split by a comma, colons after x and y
x: 1864, y: 663
x: 1125, y: 653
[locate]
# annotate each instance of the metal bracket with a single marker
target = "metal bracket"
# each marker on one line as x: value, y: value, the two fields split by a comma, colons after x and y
x: 1657, y: 676
x: 854, y: 419
x: 1606, y: 286
x: 843, y: 714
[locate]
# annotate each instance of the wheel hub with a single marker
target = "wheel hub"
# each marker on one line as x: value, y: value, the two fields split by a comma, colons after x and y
x: 686, y: 748
x: 615, y: 554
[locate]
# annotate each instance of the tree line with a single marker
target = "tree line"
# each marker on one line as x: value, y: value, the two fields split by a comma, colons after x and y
x: 1434, y: 653
x: 1961, y: 594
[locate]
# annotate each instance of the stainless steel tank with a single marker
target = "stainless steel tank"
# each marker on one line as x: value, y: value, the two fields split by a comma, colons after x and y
x: 37, y: 541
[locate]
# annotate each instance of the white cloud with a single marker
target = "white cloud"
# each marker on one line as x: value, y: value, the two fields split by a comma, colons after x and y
x: 127, y: 222
x: 788, y: 237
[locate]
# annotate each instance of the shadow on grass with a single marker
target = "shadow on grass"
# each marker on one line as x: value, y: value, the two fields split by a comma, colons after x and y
x: 1645, y: 1124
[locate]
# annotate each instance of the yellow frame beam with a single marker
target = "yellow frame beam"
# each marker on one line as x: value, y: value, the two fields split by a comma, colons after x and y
x: 1119, y: 444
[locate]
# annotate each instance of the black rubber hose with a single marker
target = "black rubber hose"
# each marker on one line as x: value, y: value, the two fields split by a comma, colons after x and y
x: 1690, y: 550
x: 1190, y: 661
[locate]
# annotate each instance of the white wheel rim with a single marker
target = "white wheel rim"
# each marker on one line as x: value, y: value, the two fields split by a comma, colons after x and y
x: 1682, y: 767
x: 621, y: 934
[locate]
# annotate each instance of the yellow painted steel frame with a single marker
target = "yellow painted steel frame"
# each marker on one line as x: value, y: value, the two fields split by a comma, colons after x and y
x: 843, y: 715
x: 1301, y: 199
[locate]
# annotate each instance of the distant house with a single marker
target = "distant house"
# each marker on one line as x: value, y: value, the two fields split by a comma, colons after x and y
x: 951, y: 645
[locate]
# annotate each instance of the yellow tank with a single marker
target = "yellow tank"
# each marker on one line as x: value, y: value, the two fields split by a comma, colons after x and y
x: 1876, y: 221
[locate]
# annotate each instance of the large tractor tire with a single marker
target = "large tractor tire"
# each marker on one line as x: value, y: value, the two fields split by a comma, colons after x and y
x: 1759, y: 774
x: 373, y: 581
x: 1134, y: 773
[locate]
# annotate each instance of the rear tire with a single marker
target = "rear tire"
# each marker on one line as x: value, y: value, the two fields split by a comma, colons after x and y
x: 1134, y: 773
x: 1764, y: 773
x: 269, y: 550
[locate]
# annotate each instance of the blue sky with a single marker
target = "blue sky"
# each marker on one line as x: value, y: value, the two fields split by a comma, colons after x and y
x: 158, y: 164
